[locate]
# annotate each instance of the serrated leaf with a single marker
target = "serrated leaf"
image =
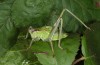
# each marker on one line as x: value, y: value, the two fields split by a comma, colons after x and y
x: 8, y: 32
x: 18, y: 55
x: 31, y: 12
x: 12, y: 58
x: 65, y: 57
x: 7, y: 29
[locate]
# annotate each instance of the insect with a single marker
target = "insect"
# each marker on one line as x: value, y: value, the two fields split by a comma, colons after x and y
x: 51, y: 32
x: 43, y: 33
x: 59, y: 24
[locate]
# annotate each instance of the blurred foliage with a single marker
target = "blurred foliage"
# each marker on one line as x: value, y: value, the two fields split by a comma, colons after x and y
x: 91, y: 45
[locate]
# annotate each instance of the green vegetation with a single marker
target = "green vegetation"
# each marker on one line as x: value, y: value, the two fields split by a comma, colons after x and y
x: 16, y: 16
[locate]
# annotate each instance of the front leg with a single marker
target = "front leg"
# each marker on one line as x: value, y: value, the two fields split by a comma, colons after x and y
x: 30, y: 44
x: 26, y: 36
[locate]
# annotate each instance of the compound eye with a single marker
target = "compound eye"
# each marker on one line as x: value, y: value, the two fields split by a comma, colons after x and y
x: 31, y: 29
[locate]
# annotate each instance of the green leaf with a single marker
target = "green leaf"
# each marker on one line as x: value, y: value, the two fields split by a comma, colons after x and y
x: 17, y: 55
x: 91, y: 45
x: 85, y: 10
x: 90, y: 60
x: 31, y: 12
x: 66, y: 57
x: 16, y: 14
x: 14, y: 8
x: 12, y: 58
x: 7, y: 30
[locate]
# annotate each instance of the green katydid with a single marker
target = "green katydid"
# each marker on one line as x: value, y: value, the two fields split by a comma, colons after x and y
x: 52, y: 32
x: 43, y: 33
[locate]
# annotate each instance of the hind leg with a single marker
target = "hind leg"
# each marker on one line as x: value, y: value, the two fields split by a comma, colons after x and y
x: 60, y: 33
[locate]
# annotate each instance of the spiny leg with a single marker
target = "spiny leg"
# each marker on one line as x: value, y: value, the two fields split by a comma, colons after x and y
x: 58, y: 21
x: 60, y: 33
x: 55, y: 26
x: 51, y: 44
x: 30, y: 44
x: 26, y: 36
x: 77, y: 19
x: 52, y: 34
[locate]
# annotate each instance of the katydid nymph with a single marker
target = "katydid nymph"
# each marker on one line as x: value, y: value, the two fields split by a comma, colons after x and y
x: 51, y: 32
x: 43, y: 33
